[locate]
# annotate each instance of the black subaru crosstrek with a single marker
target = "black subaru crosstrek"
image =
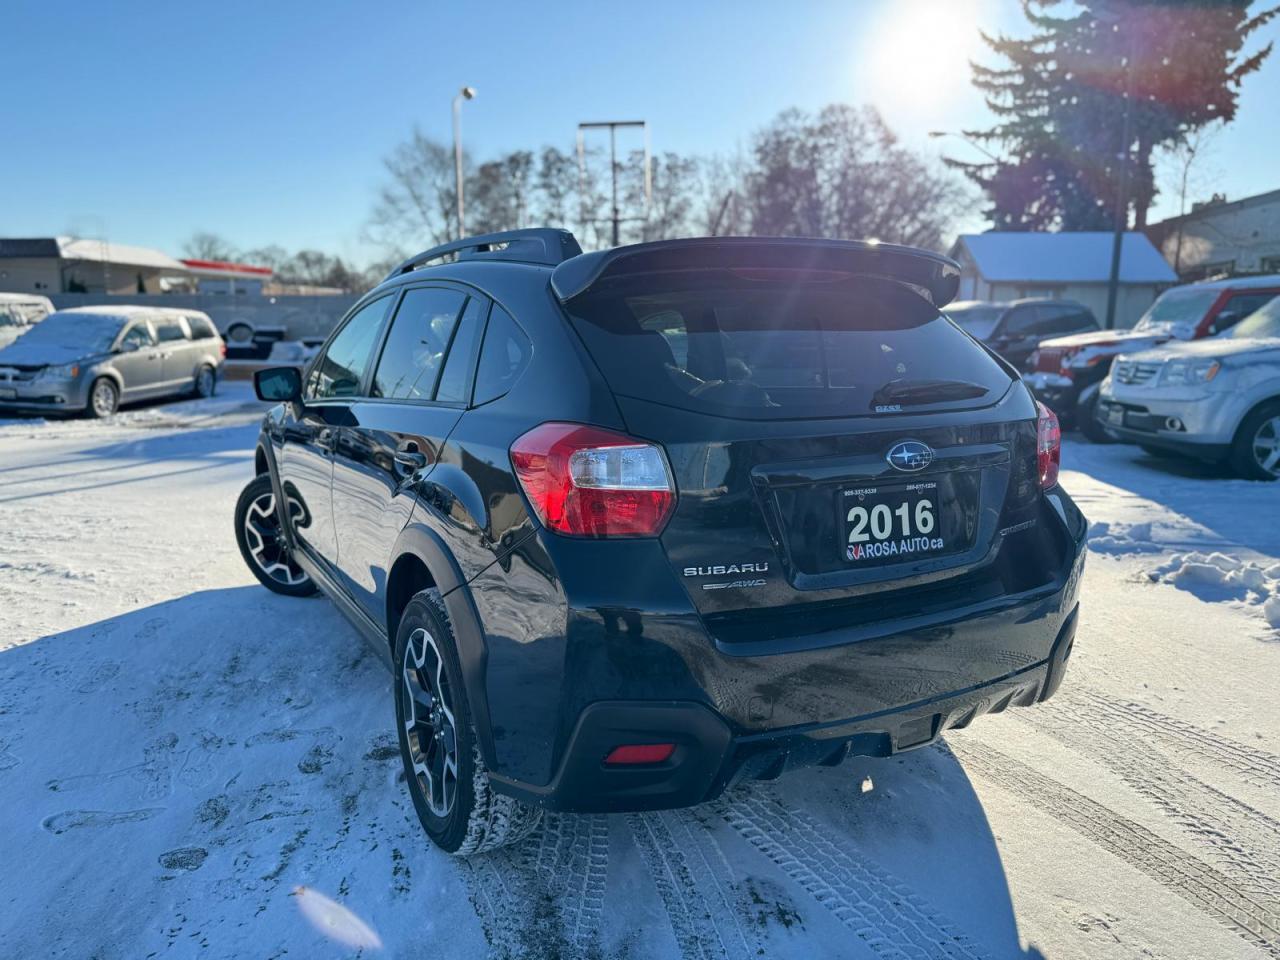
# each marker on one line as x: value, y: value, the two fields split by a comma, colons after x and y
x: 634, y: 525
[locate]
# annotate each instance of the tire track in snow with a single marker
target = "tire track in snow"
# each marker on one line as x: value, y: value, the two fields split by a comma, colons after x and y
x: 1103, y: 713
x: 877, y: 907
x: 544, y: 897
x: 1240, y: 839
x: 1203, y: 886
x: 697, y: 885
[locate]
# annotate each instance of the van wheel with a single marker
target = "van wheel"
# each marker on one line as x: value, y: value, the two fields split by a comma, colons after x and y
x: 447, y: 779
x: 262, y: 543
x: 1090, y: 427
x: 206, y: 383
x: 1255, y: 452
x: 104, y: 398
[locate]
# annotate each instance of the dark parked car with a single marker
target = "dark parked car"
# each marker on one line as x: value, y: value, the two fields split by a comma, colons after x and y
x: 634, y: 525
x: 1067, y: 372
x: 1015, y: 329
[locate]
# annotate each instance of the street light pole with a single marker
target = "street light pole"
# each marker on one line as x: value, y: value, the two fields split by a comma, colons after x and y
x: 466, y: 93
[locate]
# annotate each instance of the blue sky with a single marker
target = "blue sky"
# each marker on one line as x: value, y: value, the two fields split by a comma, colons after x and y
x: 266, y: 122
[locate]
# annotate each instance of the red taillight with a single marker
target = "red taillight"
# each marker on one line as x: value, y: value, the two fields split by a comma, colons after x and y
x: 1048, y: 446
x: 640, y: 753
x: 590, y: 482
x: 223, y: 349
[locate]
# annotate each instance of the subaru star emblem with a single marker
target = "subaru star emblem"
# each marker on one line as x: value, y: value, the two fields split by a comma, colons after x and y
x: 909, y: 456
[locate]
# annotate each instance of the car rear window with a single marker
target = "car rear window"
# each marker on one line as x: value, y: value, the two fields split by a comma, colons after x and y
x: 808, y: 345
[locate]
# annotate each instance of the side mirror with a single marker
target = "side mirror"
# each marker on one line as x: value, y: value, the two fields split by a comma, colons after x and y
x: 278, y: 384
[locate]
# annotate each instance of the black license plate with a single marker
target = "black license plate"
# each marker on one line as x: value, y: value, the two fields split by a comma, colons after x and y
x: 897, y: 523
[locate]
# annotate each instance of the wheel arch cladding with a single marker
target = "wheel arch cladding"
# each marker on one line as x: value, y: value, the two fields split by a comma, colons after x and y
x: 260, y: 463
x: 419, y: 552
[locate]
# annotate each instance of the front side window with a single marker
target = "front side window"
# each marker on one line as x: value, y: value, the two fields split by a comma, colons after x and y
x: 137, y: 336
x: 416, y: 345
x: 1239, y: 307
x: 340, y: 371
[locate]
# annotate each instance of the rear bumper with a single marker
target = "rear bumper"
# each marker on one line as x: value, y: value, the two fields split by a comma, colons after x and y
x: 709, y: 757
x: 879, y: 678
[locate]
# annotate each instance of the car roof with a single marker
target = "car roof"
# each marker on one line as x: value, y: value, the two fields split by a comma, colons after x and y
x: 23, y: 298
x: 1234, y: 283
x: 968, y: 304
x: 129, y: 311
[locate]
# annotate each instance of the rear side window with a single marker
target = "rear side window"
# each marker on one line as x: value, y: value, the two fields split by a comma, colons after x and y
x: 168, y: 330
x: 503, y: 357
x: 717, y: 341
x: 340, y: 370
x: 462, y: 353
x: 201, y: 329
x: 416, y: 345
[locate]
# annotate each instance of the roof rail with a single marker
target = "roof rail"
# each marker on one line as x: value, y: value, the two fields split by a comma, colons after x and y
x: 544, y: 245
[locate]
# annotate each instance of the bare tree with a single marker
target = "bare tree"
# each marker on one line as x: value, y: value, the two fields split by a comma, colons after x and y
x: 1180, y: 159
x: 498, y: 194
x: 843, y: 174
x: 204, y: 245
x: 416, y: 206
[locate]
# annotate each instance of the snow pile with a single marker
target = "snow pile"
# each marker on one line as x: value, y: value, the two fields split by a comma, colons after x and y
x: 1217, y: 576
x: 1116, y: 538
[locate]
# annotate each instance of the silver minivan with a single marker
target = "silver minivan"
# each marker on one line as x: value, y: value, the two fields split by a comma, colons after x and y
x: 93, y: 359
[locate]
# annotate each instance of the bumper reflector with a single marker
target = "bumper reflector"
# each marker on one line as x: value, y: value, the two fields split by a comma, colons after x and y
x: 633, y: 753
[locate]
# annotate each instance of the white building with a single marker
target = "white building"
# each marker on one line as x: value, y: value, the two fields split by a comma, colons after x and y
x: 49, y: 265
x: 1218, y: 237
x: 1074, y: 266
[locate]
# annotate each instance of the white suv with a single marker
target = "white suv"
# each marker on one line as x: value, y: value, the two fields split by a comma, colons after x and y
x: 1217, y: 398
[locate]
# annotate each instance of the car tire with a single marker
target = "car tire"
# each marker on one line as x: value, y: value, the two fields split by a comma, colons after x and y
x: 1257, y: 443
x: 446, y: 776
x: 104, y: 398
x: 206, y: 382
x: 262, y: 544
x: 1090, y: 427
x: 240, y: 334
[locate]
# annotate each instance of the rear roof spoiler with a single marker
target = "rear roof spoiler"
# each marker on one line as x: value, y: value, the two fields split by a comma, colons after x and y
x: 938, y: 277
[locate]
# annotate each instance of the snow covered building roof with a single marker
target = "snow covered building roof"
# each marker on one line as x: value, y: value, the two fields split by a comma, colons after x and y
x: 89, y: 251
x: 1083, y: 257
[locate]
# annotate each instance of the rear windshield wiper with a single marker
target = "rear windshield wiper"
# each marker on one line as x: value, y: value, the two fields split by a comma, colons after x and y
x: 911, y: 392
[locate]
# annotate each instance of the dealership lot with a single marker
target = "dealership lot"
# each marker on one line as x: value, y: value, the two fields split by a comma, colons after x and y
x: 173, y: 735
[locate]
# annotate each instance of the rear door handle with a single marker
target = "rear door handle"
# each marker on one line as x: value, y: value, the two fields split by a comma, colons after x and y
x: 408, y: 455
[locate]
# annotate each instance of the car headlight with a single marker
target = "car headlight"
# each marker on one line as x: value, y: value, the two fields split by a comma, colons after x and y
x: 1190, y: 371
x: 65, y: 371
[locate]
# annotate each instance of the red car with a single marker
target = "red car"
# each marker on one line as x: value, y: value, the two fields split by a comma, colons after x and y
x: 1066, y: 372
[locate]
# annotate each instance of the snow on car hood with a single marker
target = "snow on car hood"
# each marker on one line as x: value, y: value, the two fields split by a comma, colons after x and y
x: 20, y: 354
x: 1215, y: 347
x: 1098, y: 338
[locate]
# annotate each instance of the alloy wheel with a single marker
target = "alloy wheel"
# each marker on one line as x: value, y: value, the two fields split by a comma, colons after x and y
x: 204, y: 382
x: 429, y: 723
x: 104, y: 398
x: 1266, y: 446
x: 266, y: 542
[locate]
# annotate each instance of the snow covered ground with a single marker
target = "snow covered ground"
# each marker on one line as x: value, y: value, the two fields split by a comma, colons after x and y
x: 190, y: 765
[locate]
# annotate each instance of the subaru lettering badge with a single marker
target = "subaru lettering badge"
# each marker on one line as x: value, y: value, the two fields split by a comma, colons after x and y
x: 909, y: 456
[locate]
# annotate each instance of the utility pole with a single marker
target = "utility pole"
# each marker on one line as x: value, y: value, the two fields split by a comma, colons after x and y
x: 615, y: 216
x: 466, y: 93
x: 1122, y: 200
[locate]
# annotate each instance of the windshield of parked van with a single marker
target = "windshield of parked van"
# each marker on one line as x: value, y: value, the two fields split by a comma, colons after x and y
x: 88, y: 332
x: 978, y: 320
x: 1262, y: 323
x: 723, y: 341
x: 1177, y: 313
